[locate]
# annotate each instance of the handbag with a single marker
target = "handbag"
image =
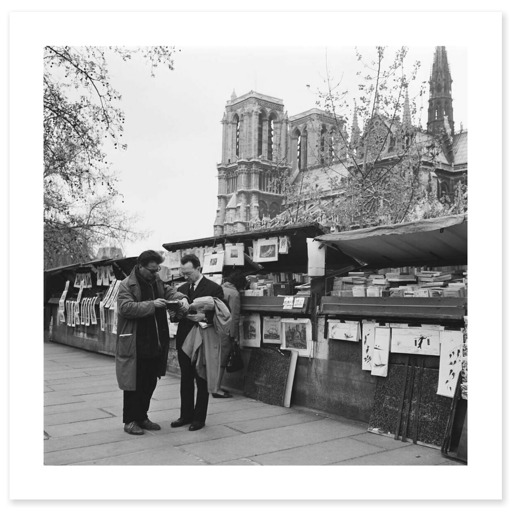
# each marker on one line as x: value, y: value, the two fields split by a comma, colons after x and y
x: 235, y: 362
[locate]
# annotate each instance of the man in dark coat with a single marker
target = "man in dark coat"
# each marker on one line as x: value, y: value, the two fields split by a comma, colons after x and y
x: 142, y: 342
x: 196, y: 286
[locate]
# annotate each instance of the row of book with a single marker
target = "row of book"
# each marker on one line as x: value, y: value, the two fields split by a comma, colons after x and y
x: 394, y: 283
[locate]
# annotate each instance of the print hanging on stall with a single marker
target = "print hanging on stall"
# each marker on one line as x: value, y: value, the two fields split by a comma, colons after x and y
x: 348, y: 330
x: 250, y: 330
x: 415, y: 340
x: 296, y: 334
x: 61, y: 318
x: 213, y: 262
x: 272, y: 329
x: 284, y: 244
x: 380, y: 358
x: 450, y: 362
x: 368, y: 339
x: 234, y: 254
x: 266, y: 249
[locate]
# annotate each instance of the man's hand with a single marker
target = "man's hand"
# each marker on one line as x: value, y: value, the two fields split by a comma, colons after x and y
x: 197, y: 317
x: 160, y: 303
x: 184, y: 306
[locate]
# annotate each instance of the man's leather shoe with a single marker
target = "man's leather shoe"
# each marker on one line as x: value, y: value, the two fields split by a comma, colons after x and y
x: 133, y: 428
x: 180, y: 422
x: 196, y: 426
x: 147, y: 424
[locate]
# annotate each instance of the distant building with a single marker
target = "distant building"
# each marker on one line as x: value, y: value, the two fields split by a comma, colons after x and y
x: 260, y: 144
x: 109, y: 253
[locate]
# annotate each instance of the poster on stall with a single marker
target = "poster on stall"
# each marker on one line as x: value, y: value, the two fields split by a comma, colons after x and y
x: 368, y: 339
x: 94, y: 320
x: 234, y: 254
x: 62, y: 301
x: 250, y: 330
x: 316, y: 257
x: 415, y: 340
x: 102, y: 315
x: 296, y: 334
x: 265, y: 249
x: 272, y: 329
x: 380, y: 359
x: 284, y: 244
x: 450, y: 362
x: 348, y: 330
x: 213, y: 262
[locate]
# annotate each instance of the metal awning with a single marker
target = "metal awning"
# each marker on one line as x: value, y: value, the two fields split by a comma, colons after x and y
x: 431, y: 242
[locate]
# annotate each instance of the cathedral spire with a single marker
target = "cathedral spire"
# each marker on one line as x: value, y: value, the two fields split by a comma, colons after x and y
x: 406, y: 115
x: 440, y: 98
x: 355, y: 135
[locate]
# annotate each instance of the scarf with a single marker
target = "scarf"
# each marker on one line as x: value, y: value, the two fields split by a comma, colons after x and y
x: 148, y: 336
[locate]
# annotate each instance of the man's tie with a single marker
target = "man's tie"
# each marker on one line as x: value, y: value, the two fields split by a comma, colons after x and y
x: 191, y: 290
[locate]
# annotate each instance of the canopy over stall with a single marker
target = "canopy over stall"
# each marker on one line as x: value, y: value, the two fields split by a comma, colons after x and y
x: 432, y: 242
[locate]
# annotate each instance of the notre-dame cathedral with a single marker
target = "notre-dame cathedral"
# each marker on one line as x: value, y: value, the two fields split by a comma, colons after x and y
x: 260, y: 144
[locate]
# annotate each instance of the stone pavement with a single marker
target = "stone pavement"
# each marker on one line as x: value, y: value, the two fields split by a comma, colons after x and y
x: 83, y: 422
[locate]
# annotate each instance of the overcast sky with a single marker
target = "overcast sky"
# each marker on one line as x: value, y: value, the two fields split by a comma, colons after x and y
x: 168, y: 174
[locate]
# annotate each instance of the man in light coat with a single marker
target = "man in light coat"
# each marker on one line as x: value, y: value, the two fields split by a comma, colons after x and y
x: 142, y: 339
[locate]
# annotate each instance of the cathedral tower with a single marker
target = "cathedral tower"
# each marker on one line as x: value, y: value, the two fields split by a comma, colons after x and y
x: 254, y: 149
x: 440, y: 99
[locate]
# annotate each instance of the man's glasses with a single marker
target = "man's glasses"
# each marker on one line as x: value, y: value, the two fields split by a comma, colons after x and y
x: 153, y: 270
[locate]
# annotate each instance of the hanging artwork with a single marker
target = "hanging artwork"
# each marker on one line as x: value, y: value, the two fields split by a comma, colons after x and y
x: 60, y: 313
x: 347, y: 330
x: 380, y: 359
x: 105, y: 277
x: 102, y: 315
x: 99, y: 276
x: 284, y: 244
x: 68, y: 312
x: 272, y: 329
x: 172, y: 259
x: 213, y: 262
x: 316, y: 257
x: 250, y: 330
x: 296, y: 334
x: 266, y: 249
x: 368, y: 339
x: 450, y: 362
x: 94, y: 321
x: 76, y: 316
x: 415, y: 340
x: 234, y: 254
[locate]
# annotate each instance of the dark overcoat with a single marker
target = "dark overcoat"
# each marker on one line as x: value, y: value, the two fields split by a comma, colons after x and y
x: 130, y: 307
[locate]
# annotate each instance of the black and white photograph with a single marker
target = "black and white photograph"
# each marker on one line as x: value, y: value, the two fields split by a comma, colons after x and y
x: 182, y: 171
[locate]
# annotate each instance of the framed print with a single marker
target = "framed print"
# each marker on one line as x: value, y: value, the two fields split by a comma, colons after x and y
x: 380, y: 359
x: 234, y: 254
x: 296, y: 334
x: 250, y: 330
x: 450, y: 362
x: 213, y: 262
x: 272, y: 330
x: 216, y: 278
x: 266, y: 249
x: 172, y: 259
x: 284, y: 244
x: 348, y: 331
x: 415, y: 340
x: 368, y: 339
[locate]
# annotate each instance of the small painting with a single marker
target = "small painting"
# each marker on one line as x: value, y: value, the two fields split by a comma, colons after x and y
x: 213, y: 262
x: 380, y: 359
x: 272, y: 330
x: 415, y: 340
x: 450, y: 362
x: 368, y: 339
x: 266, y: 250
x: 348, y: 331
x: 250, y: 330
x: 234, y: 254
x: 296, y: 335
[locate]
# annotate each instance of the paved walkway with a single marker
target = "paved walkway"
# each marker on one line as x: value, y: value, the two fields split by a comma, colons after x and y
x: 83, y: 419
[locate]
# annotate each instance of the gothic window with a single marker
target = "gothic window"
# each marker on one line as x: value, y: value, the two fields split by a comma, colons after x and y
x: 270, y: 141
x: 274, y: 210
x: 263, y: 210
x: 237, y: 135
x: 260, y: 135
x: 303, y: 150
x: 331, y: 146
x: 323, y: 133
